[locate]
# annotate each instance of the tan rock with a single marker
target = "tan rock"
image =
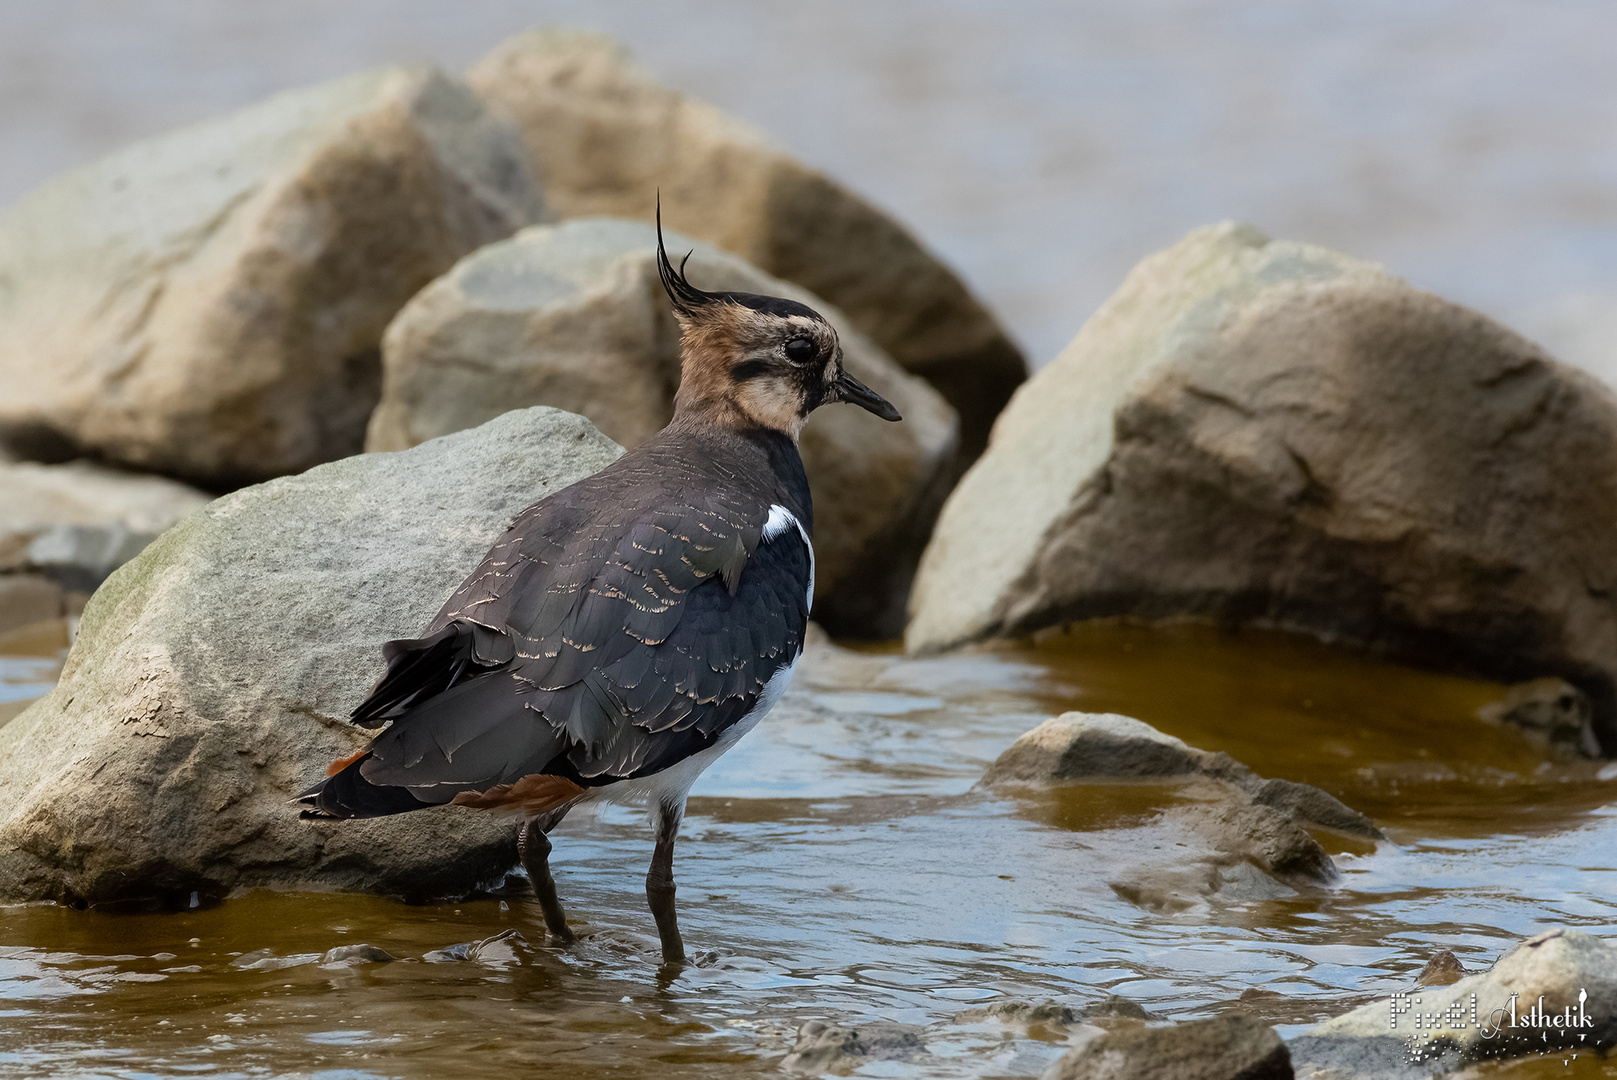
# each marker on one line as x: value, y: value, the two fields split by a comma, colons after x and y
x: 208, y: 303
x: 1273, y: 433
x: 212, y: 676
x: 29, y: 598
x: 573, y: 316
x: 605, y: 138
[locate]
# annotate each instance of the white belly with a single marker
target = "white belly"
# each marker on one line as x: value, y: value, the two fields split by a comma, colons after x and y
x: 673, y: 784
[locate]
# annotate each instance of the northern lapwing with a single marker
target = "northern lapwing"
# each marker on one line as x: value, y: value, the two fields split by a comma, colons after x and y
x: 627, y: 630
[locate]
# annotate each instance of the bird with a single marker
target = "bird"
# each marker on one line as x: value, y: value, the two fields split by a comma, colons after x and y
x: 626, y: 631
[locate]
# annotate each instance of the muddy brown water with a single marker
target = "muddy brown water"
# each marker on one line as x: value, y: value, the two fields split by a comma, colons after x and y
x: 838, y: 866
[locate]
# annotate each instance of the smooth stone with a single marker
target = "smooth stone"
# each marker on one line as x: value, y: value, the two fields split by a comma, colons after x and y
x: 362, y: 953
x: 208, y: 303
x: 75, y: 523
x: 213, y: 674
x: 1230, y: 1047
x: 1236, y: 836
x: 1270, y: 433
x: 574, y: 316
x: 608, y: 140
x: 821, y: 1047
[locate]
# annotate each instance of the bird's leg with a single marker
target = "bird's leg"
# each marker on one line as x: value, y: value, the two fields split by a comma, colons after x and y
x: 660, y: 884
x: 533, y: 846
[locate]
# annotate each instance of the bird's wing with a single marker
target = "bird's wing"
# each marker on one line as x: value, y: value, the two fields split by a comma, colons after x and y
x: 621, y: 640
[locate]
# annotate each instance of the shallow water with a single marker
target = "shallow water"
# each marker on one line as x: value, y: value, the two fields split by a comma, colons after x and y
x: 839, y: 866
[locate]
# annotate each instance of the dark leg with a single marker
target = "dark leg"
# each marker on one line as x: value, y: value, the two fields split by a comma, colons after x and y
x: 534, y: 848
x: 660, y: 884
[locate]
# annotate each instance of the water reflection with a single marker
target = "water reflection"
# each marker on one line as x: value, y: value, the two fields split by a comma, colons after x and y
x: 839, y: 865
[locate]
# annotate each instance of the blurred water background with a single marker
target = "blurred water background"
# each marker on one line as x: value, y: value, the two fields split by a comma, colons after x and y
x: 1042, y: 146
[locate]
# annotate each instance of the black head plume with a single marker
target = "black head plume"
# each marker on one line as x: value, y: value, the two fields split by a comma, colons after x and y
x: 686, y: 297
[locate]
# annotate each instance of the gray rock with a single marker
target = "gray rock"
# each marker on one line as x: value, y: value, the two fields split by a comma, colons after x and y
x: 1329, y: 1057
x: 1552, y: 992
x: 212, y: 675
x: 607, y: 140
x: 349, y: 955
x: 1271, y: 841
x: 1116, y: 1007
x: 1272, y: 433
x: 821, y: 1046
x: 1238, y: 836
x: 1093, y: 746
x: 76, y: 523
x: 574, y: 316
x: 1232, y: 1047
x: 1024, y: 1014
x: 1075, y: 747
x: 1554, y: 715
x: 209, y: 303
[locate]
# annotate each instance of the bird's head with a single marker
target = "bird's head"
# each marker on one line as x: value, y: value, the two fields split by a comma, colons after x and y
x: 753, y: 360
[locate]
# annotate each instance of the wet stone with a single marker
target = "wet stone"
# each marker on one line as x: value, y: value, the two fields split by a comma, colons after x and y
x: 1552, y: 714
x: 349, y: 955
x: 1115, y: 1006
x: 1025, y: 1013
x: 1231, y: 1047
x: 498, y: 950
x: 266, y: 960
x: 821, y: 1046
x: 1239, y: 836
x: 1444, y: 969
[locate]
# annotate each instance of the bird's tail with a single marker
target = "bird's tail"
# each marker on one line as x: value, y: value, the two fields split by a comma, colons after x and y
x: 347, y: 794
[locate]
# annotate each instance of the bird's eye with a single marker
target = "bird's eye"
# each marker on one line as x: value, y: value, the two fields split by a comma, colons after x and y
x: 800, y: 350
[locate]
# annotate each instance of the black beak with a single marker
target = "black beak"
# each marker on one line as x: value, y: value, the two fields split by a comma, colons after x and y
x: 854, y: 392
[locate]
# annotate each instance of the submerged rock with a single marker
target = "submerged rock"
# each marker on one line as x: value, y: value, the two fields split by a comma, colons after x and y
x: 1231, y: 1047
x: 821, y: 1047
x: 574, y: 316
x: 1554, y: 715
x: 1075, y: 747
x: 1552, y: 993
x: 74, y: 524
x: 1240, y: 836
x: 208, y: 303
x: 608, y: 140
x: 350, y: 955
x: 212, y: 675
x: 1272, y: 433
x: 498, y: 950
x: 1444, y: 969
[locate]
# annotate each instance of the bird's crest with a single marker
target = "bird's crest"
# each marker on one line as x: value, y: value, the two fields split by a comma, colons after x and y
x: 685, y: 296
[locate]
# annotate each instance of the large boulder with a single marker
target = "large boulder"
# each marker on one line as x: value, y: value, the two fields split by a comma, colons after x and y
x: 574, y: 316
x: 209, y: 303
x: 606, y: 139
x: 73, y: 524
x: 212, y: 675
x: 1272, y: 433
